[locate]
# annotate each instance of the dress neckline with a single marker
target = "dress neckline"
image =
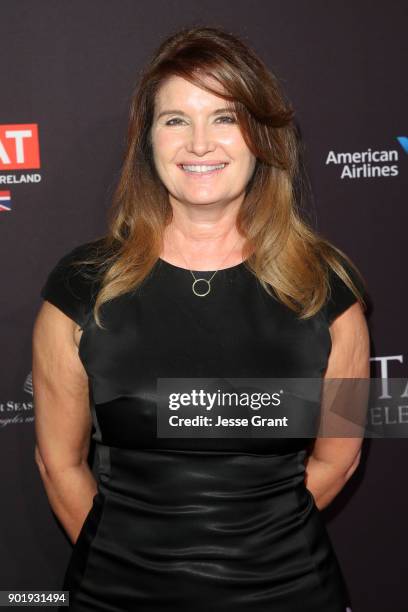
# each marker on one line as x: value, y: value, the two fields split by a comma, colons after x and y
x: 236, y: 266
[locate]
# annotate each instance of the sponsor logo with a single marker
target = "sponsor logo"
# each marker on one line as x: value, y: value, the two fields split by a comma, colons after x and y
x: 5, y: 200
x: 369, y: 164
x: 13, y: 412
x: 19, y: 156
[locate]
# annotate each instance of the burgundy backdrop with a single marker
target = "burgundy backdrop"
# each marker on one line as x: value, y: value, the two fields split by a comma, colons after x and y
x: 67, y: 74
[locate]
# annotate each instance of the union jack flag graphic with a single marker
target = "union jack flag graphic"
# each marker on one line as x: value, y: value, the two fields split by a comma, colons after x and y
x: 5, y: 201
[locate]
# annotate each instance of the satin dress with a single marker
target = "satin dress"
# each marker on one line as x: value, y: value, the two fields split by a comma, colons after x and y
x: 187, y: 524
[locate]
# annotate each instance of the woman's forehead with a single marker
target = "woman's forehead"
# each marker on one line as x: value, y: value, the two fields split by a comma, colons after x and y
x: 178, y: 90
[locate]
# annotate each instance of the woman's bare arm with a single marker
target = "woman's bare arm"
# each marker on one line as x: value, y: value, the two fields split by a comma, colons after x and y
x: 63, y: 419
x: 333, y: 460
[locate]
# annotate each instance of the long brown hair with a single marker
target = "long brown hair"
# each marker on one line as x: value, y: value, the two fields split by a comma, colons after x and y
x: 282, y: 249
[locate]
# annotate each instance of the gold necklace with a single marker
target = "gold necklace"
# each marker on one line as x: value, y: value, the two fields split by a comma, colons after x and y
x: 207, y: 281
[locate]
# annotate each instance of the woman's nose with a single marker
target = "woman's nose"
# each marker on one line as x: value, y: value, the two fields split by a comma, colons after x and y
x: 200, y: 140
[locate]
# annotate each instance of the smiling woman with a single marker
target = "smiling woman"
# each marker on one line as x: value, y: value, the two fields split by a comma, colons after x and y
x: 199, y: 152
x: 207, y: 271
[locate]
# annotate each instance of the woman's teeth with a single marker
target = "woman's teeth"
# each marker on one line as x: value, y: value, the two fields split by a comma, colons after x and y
x: 198, y: 169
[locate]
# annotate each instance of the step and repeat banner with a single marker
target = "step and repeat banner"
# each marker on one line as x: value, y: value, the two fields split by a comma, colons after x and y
x: 68, y: 69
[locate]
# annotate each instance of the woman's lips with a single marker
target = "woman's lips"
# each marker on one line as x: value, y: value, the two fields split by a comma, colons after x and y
x: 195, y: 174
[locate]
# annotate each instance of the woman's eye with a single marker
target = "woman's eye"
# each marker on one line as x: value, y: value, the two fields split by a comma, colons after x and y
x: 228, y: 118
x: 170, y: 120
x: 231, y: 119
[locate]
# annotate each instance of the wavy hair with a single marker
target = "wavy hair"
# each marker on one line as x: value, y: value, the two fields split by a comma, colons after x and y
x: 282, y: 249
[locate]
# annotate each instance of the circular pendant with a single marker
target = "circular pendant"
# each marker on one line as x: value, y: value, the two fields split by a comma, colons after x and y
x: 202, y: 280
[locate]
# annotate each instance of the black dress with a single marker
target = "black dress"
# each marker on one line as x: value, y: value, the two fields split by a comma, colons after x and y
x: 196, y: 525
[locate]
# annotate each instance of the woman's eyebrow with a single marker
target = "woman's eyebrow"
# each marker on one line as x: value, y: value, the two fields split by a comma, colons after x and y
x: 180, y: 112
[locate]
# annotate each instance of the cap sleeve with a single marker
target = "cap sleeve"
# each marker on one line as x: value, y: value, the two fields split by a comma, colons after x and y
x: 341, y: 297
x: 69, y: 287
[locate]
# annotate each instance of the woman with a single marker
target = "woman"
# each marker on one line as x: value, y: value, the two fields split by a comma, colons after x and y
x: 207, y: 270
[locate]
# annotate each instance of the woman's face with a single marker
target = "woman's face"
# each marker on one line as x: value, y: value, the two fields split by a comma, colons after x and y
x: 190, y: 129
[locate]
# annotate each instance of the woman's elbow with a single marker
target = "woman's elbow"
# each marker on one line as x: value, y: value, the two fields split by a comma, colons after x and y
x: 353, y: 466
x: 38, y: 459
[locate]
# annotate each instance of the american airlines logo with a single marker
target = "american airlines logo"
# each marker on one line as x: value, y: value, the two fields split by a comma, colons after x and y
x: 369, y: 164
